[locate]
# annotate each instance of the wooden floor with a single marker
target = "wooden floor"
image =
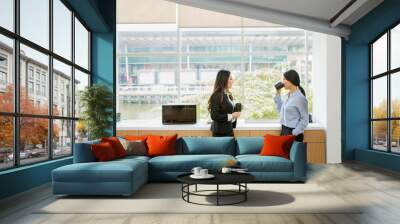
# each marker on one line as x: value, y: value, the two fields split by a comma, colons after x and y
x: 377, y: 188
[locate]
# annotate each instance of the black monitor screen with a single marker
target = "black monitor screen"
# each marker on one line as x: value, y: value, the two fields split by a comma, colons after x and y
x: 179, y: 114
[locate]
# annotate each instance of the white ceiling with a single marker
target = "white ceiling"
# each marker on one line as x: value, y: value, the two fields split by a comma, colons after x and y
x: 321, y: 9
x: 314, y: 15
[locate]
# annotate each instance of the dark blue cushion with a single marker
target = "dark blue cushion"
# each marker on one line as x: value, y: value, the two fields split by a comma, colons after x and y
x: 185, y: 163
x: 83, y: 153
x: 207, y: 145
x: 257, y: 163
x: 249, y: 145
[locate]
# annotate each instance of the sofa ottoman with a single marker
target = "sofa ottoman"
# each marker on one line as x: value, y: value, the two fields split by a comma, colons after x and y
x: 123, y: 177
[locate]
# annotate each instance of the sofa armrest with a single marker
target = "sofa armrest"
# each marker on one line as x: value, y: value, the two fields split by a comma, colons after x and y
x: 83, y: 152
x: 298, y: 155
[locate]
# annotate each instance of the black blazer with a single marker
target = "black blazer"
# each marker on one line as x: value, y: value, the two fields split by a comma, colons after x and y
x: 219, y: 111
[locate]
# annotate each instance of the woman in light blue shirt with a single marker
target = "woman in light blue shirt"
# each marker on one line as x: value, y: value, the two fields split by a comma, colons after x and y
x: 293, y: 109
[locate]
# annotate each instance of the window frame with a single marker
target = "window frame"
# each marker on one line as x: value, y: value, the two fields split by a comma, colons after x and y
x: 388, y: 74
x: 16, y: 114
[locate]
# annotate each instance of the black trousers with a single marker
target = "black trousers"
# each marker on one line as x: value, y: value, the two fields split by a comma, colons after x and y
x: 288, y: 131
x: 223, y: 135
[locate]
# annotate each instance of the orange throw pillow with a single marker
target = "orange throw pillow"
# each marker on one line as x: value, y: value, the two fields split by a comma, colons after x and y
x: 277, y: 145
x: 103, y: 152
x: 116, y: 145
x: 161, y: 145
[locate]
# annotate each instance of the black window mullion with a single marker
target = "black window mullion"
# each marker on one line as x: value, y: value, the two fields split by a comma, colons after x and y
x: 50, y: 87
x: 16, y: 84
x: 73, y: 82
x: 389, y: 113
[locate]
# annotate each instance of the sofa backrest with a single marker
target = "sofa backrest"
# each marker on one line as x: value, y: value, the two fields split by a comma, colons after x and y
x: 206, y: 145
x: 249, y: 145
x: 190, y: 146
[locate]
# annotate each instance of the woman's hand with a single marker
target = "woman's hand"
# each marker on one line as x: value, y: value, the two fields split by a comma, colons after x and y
x: 236, y: 115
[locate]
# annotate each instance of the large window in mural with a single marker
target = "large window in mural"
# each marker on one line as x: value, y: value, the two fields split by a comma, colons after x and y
x: 385, y: 93
x: 40, y: 80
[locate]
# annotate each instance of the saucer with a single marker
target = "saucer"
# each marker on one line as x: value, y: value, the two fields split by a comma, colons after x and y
x: 208, y: 176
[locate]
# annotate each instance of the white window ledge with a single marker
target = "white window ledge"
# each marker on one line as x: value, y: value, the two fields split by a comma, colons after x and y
x: 135, y: 125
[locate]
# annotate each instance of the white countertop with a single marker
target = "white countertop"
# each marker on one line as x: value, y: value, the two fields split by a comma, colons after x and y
x: 150, y: 125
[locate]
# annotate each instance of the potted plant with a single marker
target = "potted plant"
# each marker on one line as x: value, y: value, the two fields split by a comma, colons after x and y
x: 96, y: 102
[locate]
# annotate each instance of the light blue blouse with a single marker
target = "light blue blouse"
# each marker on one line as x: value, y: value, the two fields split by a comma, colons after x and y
x: 293, y: 111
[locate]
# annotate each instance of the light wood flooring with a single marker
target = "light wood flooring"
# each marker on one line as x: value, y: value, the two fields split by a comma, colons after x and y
x: 377, y: 188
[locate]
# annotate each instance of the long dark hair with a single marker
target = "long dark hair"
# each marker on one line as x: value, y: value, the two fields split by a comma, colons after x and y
x: 293, y: 77
x: 220, y: 85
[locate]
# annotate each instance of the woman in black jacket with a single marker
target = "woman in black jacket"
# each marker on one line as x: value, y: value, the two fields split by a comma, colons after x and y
x: 221, y: 107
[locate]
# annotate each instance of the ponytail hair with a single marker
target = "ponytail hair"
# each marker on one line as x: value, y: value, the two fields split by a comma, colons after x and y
x: 302, y: 90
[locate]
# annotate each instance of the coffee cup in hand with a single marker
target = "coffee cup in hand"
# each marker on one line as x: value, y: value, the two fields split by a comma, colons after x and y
x: 238, y: 107
x: 279, y: 85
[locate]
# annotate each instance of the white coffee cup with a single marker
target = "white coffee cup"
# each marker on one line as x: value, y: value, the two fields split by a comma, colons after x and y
x: 196, y: 171
x: 203, y: 172
x: 226, y: 170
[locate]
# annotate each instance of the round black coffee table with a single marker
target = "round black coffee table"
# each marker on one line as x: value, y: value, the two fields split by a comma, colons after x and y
x: 238, y: 179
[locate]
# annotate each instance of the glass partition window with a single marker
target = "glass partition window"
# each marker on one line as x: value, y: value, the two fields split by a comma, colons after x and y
x: 385, y: 97
x: 167, y: 64
x: 62, y: 89
x: 62, y: 29
x: 7, y: 14
x: 6, y: 142
x: 81, y: 82
x: 395, y: 47
x: 35, y: 21
x: 46, y: 80
x: 36, y: 101
x: 62, y: 137
x: 33, y: 140
x: 379, y: 56
x: 6, y: 74
x: 81, y: 45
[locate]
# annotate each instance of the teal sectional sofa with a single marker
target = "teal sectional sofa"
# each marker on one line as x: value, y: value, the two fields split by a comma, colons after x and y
x: 125, y: 176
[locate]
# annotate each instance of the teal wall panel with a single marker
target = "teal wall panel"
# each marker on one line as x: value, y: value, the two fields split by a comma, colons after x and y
x: 356, y: 101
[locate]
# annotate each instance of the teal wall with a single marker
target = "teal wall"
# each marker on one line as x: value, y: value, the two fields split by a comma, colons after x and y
x: 103, y: 53
x: 356, y: 125
x: 24, y: 178
x: 100, y: 17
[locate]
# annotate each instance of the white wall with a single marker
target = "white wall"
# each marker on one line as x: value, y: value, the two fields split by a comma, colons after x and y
x: 326, y: 82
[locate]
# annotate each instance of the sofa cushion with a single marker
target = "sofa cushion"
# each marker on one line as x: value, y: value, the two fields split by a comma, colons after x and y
x: 112, y: 171
x: 277, y: 145
x: 257, y: 163
x: 103, y: 152
x: 185, y: 163
x: 116, y: 145
x: 207, y: 145
x: 161, y: 145
x: 249, y: 145
x: 136, y: 147
x: 83, y: 152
